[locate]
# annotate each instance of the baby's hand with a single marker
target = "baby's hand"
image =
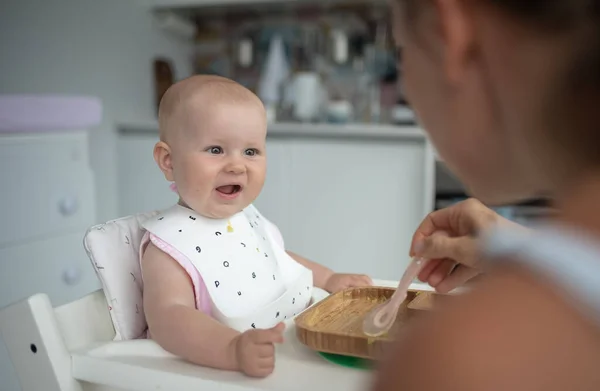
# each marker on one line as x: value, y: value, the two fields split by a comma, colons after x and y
x: 338, y: 281
x: 255, y: 350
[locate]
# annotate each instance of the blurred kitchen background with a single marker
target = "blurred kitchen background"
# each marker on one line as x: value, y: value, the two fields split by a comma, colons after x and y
x: 350, y: 173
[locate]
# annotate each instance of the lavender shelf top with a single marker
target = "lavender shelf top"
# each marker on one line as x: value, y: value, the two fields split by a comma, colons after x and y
x: 48, y: 113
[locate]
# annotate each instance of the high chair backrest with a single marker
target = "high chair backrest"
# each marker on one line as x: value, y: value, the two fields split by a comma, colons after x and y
x: 114, y: 249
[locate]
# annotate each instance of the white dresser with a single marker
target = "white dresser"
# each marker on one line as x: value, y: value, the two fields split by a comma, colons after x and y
x: 47, y: 201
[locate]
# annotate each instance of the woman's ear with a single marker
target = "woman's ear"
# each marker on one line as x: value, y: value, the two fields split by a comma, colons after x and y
x: 162, y: 157
x: 457, y: 34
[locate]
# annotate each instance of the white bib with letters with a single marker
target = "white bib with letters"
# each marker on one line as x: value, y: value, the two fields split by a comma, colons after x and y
x: 252, y: 281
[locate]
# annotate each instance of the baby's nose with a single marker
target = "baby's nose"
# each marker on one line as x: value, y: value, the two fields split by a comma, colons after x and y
x: 236, y: 168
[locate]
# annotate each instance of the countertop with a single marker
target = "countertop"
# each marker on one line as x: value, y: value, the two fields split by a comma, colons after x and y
x: 296, y: 129
x: 142, y: 365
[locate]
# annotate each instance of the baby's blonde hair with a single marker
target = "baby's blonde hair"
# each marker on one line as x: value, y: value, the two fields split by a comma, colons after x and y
x: 210, y: 89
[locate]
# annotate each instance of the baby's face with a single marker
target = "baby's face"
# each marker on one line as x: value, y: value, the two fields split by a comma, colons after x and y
x: 219, y: 159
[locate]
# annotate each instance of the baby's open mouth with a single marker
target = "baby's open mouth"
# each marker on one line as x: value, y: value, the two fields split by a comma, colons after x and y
x: 229, y: 189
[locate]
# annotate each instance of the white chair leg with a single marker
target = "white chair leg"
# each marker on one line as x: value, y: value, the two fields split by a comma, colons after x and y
x: 36, y: 347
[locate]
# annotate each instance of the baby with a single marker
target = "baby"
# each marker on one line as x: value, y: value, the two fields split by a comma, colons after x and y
x: 218, y: 282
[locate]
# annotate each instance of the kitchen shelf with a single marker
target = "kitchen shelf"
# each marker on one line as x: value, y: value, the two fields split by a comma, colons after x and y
x: 239, y: 3
x: 294, y: 129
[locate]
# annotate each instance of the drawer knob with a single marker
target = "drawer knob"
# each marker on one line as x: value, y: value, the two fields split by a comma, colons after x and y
x: 71, y: 275
x: 68, y: 205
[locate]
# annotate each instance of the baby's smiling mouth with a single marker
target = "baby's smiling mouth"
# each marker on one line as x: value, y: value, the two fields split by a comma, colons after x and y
x: 229, y: 189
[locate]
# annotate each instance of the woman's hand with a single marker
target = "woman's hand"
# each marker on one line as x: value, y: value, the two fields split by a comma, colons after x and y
x: 448, y: 238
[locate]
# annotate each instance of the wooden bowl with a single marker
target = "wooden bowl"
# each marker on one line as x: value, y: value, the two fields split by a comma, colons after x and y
x: 334, y: 325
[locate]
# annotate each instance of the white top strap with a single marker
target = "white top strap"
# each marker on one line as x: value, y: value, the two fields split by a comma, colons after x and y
x: 568, y: 257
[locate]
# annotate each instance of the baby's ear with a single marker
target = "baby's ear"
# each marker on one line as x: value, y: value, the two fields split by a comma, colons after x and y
x: 162, y: 157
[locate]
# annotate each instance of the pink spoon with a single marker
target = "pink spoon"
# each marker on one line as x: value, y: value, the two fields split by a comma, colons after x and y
x: 381, y: 318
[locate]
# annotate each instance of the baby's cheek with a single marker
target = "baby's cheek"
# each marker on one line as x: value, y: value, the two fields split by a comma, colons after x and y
x: 257, y: 175
x: 252, y: 191
x: 202, y: 191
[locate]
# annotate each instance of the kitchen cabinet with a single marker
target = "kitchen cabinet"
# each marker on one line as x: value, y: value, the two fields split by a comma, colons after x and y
x: 47, y: 204
x: 49, y: 190
x: 348, y: 197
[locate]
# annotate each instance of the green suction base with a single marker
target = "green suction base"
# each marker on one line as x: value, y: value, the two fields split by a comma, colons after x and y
x: 347, y: 361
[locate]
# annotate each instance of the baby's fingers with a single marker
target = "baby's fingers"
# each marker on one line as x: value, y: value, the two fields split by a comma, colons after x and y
x: 266, y: 362
x: 267, y: 336
x: 261, y: 367
x: 265, y: 366
x: 264, y: 351
x: 361, y: 280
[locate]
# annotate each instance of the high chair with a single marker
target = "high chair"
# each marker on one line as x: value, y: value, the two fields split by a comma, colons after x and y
x: 98, y: 343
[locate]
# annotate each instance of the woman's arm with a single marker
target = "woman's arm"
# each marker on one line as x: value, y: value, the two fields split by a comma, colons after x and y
x: 513, y: 332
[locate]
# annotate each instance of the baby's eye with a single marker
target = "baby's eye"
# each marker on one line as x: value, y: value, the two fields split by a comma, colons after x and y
x: 251, y: 152
x: 215, y: 150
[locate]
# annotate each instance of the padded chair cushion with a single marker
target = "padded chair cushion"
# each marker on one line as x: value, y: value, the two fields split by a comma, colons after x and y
x: 113, y: 248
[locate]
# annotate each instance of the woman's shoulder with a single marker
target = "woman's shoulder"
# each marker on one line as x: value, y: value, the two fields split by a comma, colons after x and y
x: 567, y: 257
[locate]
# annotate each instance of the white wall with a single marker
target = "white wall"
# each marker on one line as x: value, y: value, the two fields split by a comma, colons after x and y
x: 98, y: 47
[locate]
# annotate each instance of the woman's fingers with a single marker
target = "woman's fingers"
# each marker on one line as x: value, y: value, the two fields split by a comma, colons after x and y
x: 447, y: 238
x: 445, y: 275
x: 458, y: 277
x: 428, y: 268
x: 461, y: 219
x: 462, y: 249
x: 441, y: 272
x: 445, y: 252
x: 434, y: 222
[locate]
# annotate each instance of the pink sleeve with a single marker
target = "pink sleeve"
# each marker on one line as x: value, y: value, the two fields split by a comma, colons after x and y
x: 201, y: 294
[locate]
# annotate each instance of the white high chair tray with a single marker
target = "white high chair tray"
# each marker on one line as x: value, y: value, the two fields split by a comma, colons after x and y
x: 143, y: 365
x: 74, y: 352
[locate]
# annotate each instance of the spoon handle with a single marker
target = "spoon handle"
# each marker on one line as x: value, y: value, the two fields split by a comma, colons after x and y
x: 411, y: 272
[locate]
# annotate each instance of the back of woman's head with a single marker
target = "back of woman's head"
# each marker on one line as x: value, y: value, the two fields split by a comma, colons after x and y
x: 537, y: 66
x: 576, y: 95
